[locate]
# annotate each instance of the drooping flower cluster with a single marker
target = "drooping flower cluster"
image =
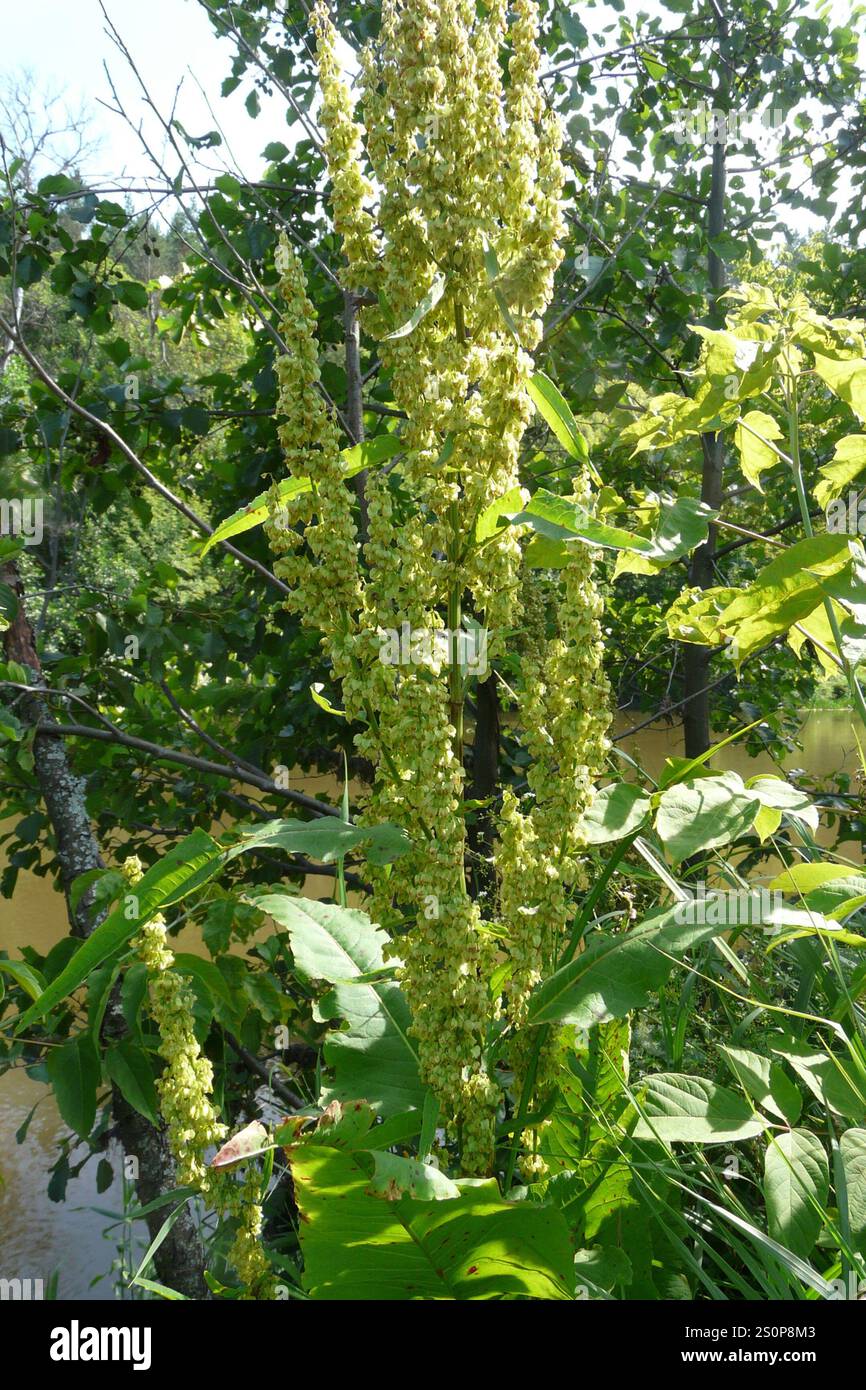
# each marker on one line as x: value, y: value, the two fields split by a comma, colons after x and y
x: 241, y: 1199
x: 452, y: 227
x: 312, y: 528
x: 565, y: 714
x: 350, y: 188
x: 184, y: 1089
x: 185, y: 1086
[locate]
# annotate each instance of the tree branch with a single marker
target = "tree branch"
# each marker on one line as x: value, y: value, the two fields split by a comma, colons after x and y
x: 132, y: 457
x: 171, y: 755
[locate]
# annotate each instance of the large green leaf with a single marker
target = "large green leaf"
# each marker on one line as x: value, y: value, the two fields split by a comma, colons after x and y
x: 681, y: 523
x: 494, y: 517
x: 559, y: 519
x: 703, y: 813
x: 796, y: 1176
x: 784, y: 592
x: 846, y: 379
x: 750, y: 437
x: 189, y: 865
x: 777, y: 794
x: 616, y: 811
x: 848, y: 462
x: 838, y: 897
x: 853, y: 1149
x: 816, y: 628
x: 803, y: 878
x: 375, y: 1055
x: 736, y: 369
x: 375, y: 1059
x: 326, y: 839
x: 683, y: 1109
x: 556, y: 412
x: 833, y: 1080
x: 765, y: 1081
x: 328, y: 942
x: 129, y: 1067
x: 360, y: 1246
x: 74, y: 1073
x: 616, y: 974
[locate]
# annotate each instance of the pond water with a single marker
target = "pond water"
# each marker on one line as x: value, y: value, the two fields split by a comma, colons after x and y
x: 39, y: 1237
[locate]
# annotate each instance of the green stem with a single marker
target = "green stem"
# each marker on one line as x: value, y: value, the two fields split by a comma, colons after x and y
x: 797, y: 470
x: 581, y: 920
x: 541, y: 1035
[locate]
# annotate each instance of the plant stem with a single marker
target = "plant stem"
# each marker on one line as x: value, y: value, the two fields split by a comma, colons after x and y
x: 581, y: 920
x: 541, y: 1035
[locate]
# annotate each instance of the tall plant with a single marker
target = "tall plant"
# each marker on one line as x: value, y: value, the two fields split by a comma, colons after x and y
x: 448, y: 202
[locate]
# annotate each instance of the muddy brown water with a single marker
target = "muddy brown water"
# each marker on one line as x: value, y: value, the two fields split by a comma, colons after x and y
x: 38, y: 1237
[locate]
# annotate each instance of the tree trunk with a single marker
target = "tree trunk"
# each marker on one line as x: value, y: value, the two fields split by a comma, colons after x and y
x: 485, y: 779
x: 179, y: 1261
x: 696, y: 659
x: 696, y: 663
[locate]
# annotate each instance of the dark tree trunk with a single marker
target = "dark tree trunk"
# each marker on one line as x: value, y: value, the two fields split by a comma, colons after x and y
x: 485, y: 778
x: 696, y: 662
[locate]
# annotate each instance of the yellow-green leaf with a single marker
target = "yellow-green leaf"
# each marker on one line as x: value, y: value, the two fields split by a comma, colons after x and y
x: 849, y: 459
x: 756, y: 456
x: 846, y: 379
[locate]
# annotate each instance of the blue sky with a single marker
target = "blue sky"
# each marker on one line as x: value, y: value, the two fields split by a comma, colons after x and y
x: 64, y: 43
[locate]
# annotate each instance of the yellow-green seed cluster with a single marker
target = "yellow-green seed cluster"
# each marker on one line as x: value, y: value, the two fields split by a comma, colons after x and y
x: 241, y: 1199
x: 565, y: 712
x: 447, y: 198
x: 186, y: 1083
x: 184, y: 1089
x: 312, y: 530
